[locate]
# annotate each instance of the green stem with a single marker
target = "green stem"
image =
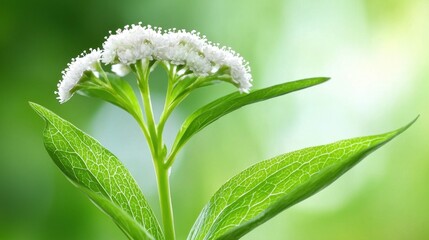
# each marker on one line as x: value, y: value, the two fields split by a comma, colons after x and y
x: 167, y: 109
x: 142, y: 70
x: 101, y: 70
x: 162, y: 173
x: 145, y: 131
x: 171, y: 157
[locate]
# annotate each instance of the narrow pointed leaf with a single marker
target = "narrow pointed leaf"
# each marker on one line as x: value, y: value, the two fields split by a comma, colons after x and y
x: 224, y: 105
x: 95, y: 170
x: 262, y: 191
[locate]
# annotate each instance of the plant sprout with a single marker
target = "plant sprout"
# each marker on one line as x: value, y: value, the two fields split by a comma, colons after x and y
x: 191, y: 61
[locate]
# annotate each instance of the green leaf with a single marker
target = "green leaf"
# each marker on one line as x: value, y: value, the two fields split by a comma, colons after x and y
x: 262, y: 191
x: 117, y: 91
x: 95, y: 170
x: 224, y: 105
x: 128, y: 225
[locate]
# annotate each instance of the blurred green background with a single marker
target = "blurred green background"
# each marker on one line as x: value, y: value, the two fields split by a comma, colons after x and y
x: 376, y: 52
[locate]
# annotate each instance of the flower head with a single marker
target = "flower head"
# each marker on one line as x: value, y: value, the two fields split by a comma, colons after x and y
x: 130, y: 44
x: 239, y: 69
x: 177, y: 47
x: 196, y: 57
x: 74, y: 72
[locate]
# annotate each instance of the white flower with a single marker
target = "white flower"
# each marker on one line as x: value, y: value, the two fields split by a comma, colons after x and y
x: 188, y: 49
x: 198, y: 64
x: 73, y: 73
x: 240, y: 72
x: 130, y: 44
x: 239, y: 68
x: 170, y: 48
x: 120, y: 69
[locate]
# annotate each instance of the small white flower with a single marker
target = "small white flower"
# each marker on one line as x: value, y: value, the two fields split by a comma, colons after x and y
x: 171, y: 49
x: 120, y: 69
x: 197, y: 63
x: 74, y: 72
x: 239, y: 68
x: 240, y: 72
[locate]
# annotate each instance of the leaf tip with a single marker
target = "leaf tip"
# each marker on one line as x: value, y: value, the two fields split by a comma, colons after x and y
x: 324, y: 79
x: 393, y: 134
x: 402, y: 129
x: 31, y: 103
x: 319, y: 80
x: 38, y: 109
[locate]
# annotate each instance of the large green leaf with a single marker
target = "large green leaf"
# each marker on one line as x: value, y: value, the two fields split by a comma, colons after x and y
x: 224, y: 105
x: 269, y: 187
x: 96, y: 171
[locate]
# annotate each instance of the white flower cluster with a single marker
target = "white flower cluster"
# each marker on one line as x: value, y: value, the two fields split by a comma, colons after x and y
x: 74, y: 72
x: 189, y: 49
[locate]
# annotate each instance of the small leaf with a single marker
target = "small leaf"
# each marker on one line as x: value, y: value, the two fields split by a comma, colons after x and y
x: 264, y: 190
x: 118, y: 92
x: 224, y: 105
x: 95, y: 170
